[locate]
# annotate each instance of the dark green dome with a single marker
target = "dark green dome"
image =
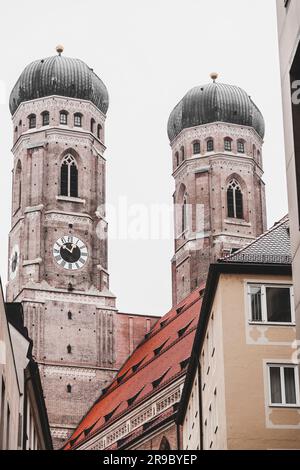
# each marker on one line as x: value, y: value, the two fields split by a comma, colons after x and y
x: 215, y: 102
x: 59, y: 75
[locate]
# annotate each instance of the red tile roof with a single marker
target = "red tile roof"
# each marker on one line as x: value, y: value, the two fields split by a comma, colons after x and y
x: 158, y: 360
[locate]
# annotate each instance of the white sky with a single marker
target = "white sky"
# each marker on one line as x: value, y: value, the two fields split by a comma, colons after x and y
x: 149, y: 53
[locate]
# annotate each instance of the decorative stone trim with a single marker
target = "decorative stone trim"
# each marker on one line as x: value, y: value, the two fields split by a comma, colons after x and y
x: 70, y: 371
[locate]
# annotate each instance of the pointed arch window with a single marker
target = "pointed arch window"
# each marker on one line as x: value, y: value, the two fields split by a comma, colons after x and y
x: 227, y: 144
x: 18, y: 186
x: 184, y: 214
x: 235, y: 200
x: 210, y: 145
x: 99, y: 132
x: 69, y: 177
x: 45, y: 118
x: 164, y: 444
x: 32, y: 121
x: 196, y: 147
x: 241, y: 146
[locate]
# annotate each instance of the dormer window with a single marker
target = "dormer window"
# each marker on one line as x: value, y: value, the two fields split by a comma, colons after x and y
x: 78, y: 120
x: 45, y: 118
x: 32, y: 121
x: 63, y: 118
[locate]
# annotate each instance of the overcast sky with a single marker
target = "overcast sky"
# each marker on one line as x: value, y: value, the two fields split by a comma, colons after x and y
x: 149, y: 53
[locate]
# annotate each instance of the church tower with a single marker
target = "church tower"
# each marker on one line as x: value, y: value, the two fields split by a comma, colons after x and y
x: 216, y: 134
x: 57, y: 242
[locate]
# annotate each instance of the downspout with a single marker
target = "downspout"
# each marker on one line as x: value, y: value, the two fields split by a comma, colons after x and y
x: 178, y: 436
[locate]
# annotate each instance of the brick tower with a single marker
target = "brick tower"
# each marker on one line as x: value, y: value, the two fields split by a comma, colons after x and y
x: 58, y: 243
x: 216, y: 134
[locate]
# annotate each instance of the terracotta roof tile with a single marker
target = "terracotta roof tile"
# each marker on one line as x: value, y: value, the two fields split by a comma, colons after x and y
x: 173, y: 342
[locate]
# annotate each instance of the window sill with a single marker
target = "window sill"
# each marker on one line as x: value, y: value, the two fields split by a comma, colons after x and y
x: 70, y: 199
x: 264, y: 323
x: 297, y: 406
x: 237, y: 222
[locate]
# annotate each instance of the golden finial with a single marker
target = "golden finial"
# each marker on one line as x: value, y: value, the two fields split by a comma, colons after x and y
x: 59, y: 49
x: 214, y: 76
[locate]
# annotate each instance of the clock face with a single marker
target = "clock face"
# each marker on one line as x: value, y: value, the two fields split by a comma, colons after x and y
x: 14, y: 262
x: 70, y: 252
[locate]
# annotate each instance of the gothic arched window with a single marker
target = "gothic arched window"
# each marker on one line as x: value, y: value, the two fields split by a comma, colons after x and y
x: 235, y: 200
x: 46, y: 118
x: 241, y: 146
x: 93, y: 122
x: 184, y: 214
x: 196, y: 147
x: 227, y: 144
x: 63, y: 117
x: 99, y: 132
x: 32, y: 121
x: 210, y: 145
x: 69, y: 177
x: 164, y: 444
x: 78, y: 120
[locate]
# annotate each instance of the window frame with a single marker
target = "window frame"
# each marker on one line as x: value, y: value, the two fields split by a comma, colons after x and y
x: 63, y: 113
x: 227, y: 141
x: 241, y: 142
x: 264, y: 310
x: 44, y: 115
x: 283, y: 366
x: 32, y: 119
x: 78, y: 116
x: 196, y: 147
x: 208, y: 141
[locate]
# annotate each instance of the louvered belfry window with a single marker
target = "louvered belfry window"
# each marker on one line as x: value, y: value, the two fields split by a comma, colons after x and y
x: 235, y: 200
x: 69, y: 177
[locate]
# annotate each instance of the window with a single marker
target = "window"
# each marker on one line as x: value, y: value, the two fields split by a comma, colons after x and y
x: 210, y: 145
x: 93, y: 122
x: 69, y: 349
x: 18, y: 186
x: 182, y: 152
x: 235, y: 200
x: 184, y: 215
x: 283, y: 385
x: 69, y: 315
x: 32, y: 121
x: 177, y: 158
x: 69, y: 388
x: 46, y: 118
x: 271, y: 304
x: 69, y: 177
x: 241, y: 146
x: 196, y: 148
x: 63, y: 117
x: 77, y: 120
x: 227, y: 145
x: 99, y: 132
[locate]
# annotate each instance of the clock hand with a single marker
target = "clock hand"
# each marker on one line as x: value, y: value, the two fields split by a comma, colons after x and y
x: 65, y: 248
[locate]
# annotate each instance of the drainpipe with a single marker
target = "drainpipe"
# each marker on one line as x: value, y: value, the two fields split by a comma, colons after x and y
x: 200, y: 405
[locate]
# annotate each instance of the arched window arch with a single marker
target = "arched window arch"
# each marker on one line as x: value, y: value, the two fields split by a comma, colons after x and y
x: 241, y: 146
x: 184, y: 213
x: 235, y: 200
x: 63, y: 117
x: 182, y: 153
x: 228, y: 144
x: 164, y: 444
x: 32, y: 121
x: 177, y: 158
x: 99, y: 132
x: 69, y: 177
x: 93, y: 123
x: 78, y: 120
x: 45, y: 118
x: 196, y: 147
x: 210, y: 145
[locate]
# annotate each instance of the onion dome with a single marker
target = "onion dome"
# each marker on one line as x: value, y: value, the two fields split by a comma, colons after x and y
x: 215, y: 102
x: 62, y: 76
